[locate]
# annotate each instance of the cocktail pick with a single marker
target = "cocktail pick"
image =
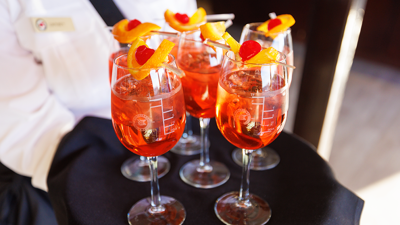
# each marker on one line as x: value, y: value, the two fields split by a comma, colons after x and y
x: 228, y: 17
x: 165, y: 33
x: 227, y: 47
x: 228, y: 23
x: 215, y: 17
x: 173, y: 69
x: 219, y: 17
x: 272, y: 15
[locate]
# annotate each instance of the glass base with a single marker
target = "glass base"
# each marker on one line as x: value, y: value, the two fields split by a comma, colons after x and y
x: 138, y: 170
x: 262, y: 159
x: 172, y: 213
x: 213, y: 176
x: 188, y: 146
x: 255, y: 211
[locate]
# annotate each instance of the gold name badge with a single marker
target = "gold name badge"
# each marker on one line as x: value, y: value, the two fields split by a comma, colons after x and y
x: 52, y: 24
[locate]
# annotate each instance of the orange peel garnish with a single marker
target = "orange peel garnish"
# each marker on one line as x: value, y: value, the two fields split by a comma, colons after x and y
x: 122, y: 35
x: 198, y: 18
x: 213, y: 31
x: 287, y: 21
x: 160, y: 55
x: 268, y: 55
x: 235, y: 46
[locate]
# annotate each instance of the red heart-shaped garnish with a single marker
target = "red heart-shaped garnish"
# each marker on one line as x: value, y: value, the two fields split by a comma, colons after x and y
x: 249, y: 49
x: 273, y: 23
x: 183, y: 18
x: 143, y: 54
x: 133, y: 24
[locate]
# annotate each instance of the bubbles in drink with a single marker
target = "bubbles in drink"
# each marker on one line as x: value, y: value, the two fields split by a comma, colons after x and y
x: 253, y: 81
x: 245, y: 81
x: 128, y: 87
x: 200, y: 82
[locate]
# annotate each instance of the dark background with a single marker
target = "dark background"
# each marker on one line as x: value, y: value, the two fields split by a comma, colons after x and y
x: 380, y: 34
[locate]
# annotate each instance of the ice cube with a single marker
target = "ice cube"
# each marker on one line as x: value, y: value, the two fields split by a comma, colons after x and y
x: 235, y: 80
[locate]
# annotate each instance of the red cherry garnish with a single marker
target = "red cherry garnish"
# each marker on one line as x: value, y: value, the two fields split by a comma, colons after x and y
x: 249, y: 49
x: 143, y: 54
x: 133, y: 24
x: 183, y: 18
x: 273, y: 23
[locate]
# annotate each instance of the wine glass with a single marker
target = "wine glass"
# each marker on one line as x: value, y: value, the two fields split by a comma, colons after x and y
x: 201, y: 64
x: 148, y: 118
x: 134, y: 168
x: 252, y: 104
x: 189, y: 143
x: 266, y: 158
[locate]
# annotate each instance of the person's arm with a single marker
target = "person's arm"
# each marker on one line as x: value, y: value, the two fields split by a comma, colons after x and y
x: 32, y: 121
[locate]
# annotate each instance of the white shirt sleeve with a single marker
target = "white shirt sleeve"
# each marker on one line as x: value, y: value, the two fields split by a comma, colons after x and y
x: 32, y: 121
x: 39, y: 103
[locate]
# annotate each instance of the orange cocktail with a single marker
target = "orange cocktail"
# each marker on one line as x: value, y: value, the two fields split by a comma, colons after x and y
x: 148, y: 118
x: 279, y: 36
x: 201, y: 64
x: 123, y: 34
x: 201, y: 81
x: 249, y: 120
x: 145, y: 125
x: 252, y: 104
x: 189, y: 144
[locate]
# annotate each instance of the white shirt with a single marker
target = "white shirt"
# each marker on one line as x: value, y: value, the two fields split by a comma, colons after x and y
x: 40, y: 103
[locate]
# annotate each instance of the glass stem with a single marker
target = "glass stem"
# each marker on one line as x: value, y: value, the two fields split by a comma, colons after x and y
x: 244, y: 186
x: 189, y: 124
x: 156, y: 206
x: 188, y: 127
x: 204, y: 155
x: 185, y: 131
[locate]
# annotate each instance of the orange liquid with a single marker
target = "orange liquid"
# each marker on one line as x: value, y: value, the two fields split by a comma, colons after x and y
x: 250, y: 120
x: 200, y: 83
x: 147, y: 126
x: 113, y: 56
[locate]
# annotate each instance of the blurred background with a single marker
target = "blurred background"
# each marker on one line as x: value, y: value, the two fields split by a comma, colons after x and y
x: 365, y: 149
